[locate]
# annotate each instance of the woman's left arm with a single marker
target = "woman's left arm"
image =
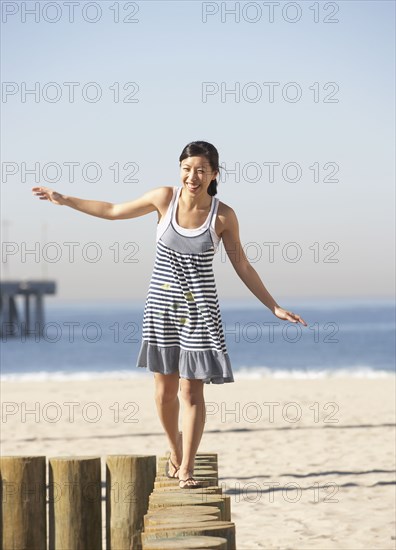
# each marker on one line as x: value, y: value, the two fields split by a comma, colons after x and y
x: 245, y: 270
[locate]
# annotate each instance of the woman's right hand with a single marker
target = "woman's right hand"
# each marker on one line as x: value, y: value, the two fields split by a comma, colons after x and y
x: 47, y: 194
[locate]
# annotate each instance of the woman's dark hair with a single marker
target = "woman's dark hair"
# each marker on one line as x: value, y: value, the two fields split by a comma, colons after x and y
x: 207, y: 150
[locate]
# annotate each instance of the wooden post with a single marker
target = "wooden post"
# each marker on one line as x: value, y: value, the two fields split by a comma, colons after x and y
x: 23, y: 496
x: 186, y: 543
x: 75, y: 503
x: 227, y: 507
x: 191, y: 497
x: 162, y: 515
x: 223, y: 529
x: 129, y: 482
x: 189, y: 518
x: 170, y: 519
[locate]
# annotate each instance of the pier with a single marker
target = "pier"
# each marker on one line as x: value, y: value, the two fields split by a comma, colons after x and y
x: 29, y: 319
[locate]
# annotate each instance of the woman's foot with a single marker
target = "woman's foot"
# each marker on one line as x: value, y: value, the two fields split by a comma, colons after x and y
x: 171, y: 470
x: 189, y: 482
x: 174, y: 461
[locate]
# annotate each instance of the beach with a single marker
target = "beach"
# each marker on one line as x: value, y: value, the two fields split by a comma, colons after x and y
x: 308, y: 463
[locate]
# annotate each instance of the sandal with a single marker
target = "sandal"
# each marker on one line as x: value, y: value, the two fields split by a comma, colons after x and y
x: 187, y: 485
x: 176, y: 468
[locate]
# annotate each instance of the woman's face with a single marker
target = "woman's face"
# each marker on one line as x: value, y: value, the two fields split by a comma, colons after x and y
x: 196, y: 175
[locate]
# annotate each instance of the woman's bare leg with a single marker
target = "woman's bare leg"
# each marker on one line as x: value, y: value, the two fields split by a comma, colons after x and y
x: 167, y: 401
x: 192, y: 395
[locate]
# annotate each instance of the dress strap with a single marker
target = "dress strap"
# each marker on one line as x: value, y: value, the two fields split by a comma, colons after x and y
x: 215, y: 206
x: 212, y: 224
x: 166, y: 219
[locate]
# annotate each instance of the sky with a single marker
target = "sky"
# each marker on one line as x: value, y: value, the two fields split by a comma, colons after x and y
x: 298, y: 98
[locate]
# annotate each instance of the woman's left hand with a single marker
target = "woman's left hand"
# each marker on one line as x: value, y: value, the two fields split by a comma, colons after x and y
x: 288, y: 316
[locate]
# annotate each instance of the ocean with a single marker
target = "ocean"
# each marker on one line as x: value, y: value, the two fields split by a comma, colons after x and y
x: 86, y: 342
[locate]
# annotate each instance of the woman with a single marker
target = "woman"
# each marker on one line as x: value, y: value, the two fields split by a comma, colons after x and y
x: 182, y: 339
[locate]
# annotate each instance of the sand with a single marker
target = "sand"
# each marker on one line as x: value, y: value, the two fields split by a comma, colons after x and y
x: 308, y: 463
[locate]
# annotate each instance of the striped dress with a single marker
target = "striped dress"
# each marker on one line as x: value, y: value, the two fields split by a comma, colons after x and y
x: 182, y: 326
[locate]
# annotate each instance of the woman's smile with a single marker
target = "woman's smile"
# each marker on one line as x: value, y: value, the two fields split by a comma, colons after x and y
x: 192, y: 187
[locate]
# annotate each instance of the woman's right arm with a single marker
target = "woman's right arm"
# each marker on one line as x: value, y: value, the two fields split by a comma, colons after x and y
x: 150, y: 201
